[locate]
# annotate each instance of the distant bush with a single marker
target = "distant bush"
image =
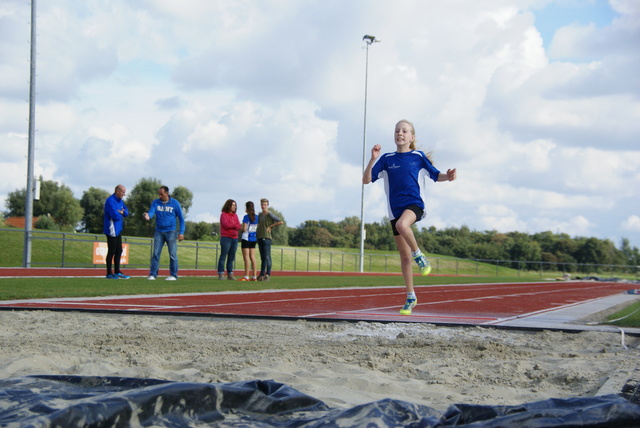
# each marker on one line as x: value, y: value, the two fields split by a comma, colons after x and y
x: 46, y: 223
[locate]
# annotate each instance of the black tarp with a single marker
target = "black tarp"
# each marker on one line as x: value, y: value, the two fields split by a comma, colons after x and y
x: 69, y: 401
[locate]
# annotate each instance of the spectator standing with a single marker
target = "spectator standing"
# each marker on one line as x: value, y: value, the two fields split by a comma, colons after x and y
x: 114, y: 213
x: 229, y: 228
x: 167, y: 212
x: 249, y: 240
x: 266, y: 221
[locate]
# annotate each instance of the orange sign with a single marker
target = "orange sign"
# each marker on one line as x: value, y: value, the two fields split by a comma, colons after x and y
x: 100, y: 250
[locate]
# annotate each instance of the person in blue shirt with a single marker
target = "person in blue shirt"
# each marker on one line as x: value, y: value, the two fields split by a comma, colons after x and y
x: 114, y: 213
x: 166, y: 210
x: 249, y: 239
x: 404, y: 173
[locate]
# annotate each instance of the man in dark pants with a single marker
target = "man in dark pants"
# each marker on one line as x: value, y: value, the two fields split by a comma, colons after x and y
x: 114, y: 213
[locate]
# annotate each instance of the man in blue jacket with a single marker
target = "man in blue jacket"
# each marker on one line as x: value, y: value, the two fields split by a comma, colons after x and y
x: 114, y: 213
x: 166, y: 210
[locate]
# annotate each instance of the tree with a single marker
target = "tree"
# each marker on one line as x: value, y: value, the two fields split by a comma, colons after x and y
x: 138, y: 202
x: 379, y: 236
x: 92, y: 202
x: 631, y: 255
x: 15, y: 203
x: 349, y: 231
x: 45, y: 222
x: 185, y: 197
x: 56, y: 200
x: 311, y: 234
x: 66, y: 209
x: 547, y: 240
x: 485, y: 251
x: 16, y: 200
x: 280, y: 234
x: 593, y: 251
x: 201, y: 231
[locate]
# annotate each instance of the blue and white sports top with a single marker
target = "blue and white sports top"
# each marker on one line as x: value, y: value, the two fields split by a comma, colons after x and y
x: 404, y: 177
x: 252, y: 227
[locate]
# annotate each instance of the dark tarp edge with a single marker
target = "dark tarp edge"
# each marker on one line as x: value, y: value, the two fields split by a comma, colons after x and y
x: 93, y: 401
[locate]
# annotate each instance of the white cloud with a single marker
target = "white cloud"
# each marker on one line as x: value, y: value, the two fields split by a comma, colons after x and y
x: 249, y: 99
x: 632, y: 223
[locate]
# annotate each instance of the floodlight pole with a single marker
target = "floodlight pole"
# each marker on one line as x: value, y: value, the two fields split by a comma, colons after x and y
x: 28, y: 207
x: 368, y: 40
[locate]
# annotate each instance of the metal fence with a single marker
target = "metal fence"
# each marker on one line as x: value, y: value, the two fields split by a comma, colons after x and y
x: 68, y: 249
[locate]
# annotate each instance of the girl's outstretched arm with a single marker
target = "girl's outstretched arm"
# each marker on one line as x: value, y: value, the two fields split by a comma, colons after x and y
x: 450, y: 175
x: 375, y: 154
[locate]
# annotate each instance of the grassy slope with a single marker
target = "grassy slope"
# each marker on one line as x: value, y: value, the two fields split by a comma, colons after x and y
x: 630, y: 316
x: 47, y: 250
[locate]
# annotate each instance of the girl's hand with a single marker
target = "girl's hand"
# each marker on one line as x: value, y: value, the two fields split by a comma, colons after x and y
x: 375, y: 151
x: 451, y: 174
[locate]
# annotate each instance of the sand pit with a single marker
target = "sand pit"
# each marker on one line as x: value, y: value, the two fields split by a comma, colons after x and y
x: 343, y: 364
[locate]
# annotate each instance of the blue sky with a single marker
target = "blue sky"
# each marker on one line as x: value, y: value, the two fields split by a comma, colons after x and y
x: 534, y: 102
x: 554, y: 15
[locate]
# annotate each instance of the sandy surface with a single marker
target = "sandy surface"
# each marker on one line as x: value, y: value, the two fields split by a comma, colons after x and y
x: 343, y: 364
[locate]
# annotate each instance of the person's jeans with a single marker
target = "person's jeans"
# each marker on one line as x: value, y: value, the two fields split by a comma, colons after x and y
x: 228, y: 248
x: 264, y: 245
x: 159, y: 238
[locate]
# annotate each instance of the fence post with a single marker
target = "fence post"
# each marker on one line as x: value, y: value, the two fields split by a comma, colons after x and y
x: 64, y: 240
x: 541, y: 270
x: 295, y: 260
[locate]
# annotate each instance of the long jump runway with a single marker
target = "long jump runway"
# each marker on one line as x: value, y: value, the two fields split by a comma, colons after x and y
x: 541, y: 305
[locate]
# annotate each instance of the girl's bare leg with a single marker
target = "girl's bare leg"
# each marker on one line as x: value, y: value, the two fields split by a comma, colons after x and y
x: 406, y: 262
x: 245, y: 257
x: 403, y: 226
x: 252, y: 257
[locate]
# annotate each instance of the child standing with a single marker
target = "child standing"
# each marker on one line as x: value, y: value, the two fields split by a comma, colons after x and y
x: 404, y: 172
x: 249, y: 228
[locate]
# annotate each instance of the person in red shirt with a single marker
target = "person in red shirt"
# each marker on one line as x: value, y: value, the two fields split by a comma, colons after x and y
x: 229, y: 227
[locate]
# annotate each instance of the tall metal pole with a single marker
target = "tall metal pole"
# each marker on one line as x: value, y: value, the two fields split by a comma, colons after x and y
x: 368, y: 40
x: 28, y: 214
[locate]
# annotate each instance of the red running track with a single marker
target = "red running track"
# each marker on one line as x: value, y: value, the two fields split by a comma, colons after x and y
x: 472, y: 304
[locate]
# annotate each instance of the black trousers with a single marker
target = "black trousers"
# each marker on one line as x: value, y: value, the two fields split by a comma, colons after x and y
x: 114, y: 252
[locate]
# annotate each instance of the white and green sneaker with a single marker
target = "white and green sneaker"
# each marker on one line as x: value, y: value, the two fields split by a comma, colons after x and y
x: 423, y: 263
x: 408, y: 306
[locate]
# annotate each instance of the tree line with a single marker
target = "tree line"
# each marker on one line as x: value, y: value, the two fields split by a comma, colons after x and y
x: 58, y: 209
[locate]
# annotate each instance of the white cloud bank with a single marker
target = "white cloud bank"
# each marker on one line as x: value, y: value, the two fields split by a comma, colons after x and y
x: 256, y: 99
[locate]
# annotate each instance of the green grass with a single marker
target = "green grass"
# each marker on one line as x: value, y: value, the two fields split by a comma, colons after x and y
x: 630, y: 315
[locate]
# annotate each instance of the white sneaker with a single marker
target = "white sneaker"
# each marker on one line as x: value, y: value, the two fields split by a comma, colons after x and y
x: 171, y: 278
x: 151, y: 278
